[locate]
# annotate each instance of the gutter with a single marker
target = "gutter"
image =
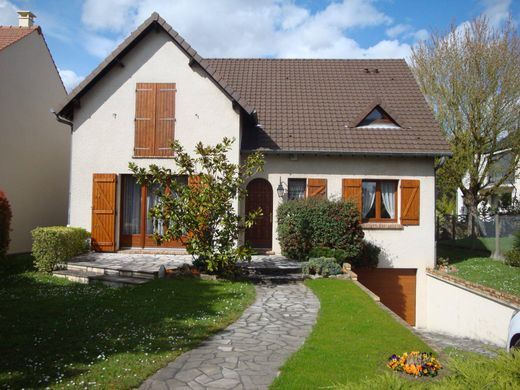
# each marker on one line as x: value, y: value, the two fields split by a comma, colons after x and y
x: 339, y: 153
x: 63, y: 120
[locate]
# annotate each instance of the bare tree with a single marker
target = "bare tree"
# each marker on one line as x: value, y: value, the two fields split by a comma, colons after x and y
x: 470, y: 77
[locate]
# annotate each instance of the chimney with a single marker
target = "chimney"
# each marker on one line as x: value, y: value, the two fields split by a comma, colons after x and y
x: 25, y: 18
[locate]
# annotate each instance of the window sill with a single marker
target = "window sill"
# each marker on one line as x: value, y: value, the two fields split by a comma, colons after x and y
x: 149, y: 157
x: 382, y: 226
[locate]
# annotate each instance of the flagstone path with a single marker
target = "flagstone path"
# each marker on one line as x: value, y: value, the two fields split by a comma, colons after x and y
x: 248, y: 353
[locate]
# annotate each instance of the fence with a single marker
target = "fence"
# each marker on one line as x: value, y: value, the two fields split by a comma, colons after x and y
x: 493, y: 233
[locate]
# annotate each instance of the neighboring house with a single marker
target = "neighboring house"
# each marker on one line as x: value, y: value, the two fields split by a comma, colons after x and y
x: 508, y: 192
x: 357, y: 129
x: 34, y: 148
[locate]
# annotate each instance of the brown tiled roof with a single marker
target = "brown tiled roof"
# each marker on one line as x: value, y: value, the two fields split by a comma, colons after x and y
x: 12, y: 34
x: 307, y: 105
x: 312, y: 105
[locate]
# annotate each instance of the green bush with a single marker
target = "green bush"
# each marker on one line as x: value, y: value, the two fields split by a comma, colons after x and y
x: 5, y: 224
x: 368, y: 256
x: 512, y: 257
x: 310, y: 223
x: 339, y: 254
x: 323, y: 266
x: 55, y: 245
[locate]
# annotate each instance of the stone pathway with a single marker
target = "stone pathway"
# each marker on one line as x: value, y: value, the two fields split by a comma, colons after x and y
x: 443, y: 341
x: 248, y: 353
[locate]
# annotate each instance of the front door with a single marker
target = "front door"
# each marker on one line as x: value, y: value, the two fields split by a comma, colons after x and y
x: 260, y: 194
x: 137, y: 228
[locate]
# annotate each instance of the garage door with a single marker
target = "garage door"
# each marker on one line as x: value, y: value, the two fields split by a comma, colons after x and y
x: 394, y: 286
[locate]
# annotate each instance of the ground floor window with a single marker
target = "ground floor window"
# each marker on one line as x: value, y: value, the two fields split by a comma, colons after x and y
x: 379, y: 200
x: 296, y: 189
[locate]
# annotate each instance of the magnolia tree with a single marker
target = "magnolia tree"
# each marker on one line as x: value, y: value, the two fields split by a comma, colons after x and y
x: 471, y: 79
x: 202, y: 215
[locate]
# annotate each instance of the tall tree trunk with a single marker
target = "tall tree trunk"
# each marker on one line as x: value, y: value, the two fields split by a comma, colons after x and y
x: 471, y: 204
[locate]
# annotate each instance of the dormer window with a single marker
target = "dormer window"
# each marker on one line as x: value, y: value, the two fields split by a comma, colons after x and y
x: 378, y: 118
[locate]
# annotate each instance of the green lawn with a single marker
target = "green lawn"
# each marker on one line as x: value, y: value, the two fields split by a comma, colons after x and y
x: 60, y: 334
x: 481, y: 244
x: 474, y: 267
x: 351, y: 341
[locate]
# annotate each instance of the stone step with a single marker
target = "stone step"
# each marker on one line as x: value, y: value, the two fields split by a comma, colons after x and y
x: 112, y: 280
x: 112, y: 271
x: 277, y: 279
x: 117, y: 281
x: 276, y: 270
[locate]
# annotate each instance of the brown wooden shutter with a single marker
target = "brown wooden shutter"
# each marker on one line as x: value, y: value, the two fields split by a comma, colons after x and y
x: 410, y: 202
x: 164, y: 118
x: 145, y: 101
x: 194, y: 180
x: 352, y: 191
x: 104, y: 212
x: 317, y: 188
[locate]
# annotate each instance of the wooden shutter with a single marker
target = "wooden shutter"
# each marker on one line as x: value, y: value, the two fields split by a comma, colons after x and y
x: 317, y: 188
x: 194, y: 180
x: 145, y: 101
x: 164, y: 118
x: 352, y: 191
x: 410, y: 202
x: 104, y: 212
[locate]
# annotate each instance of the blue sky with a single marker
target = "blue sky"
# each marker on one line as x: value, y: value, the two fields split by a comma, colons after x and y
x: 81, y: 33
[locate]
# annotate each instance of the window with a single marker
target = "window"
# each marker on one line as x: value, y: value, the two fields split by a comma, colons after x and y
x: 378, y: 118
x: 154, y: 119
x: 379, y: 200
x: 296, y: 189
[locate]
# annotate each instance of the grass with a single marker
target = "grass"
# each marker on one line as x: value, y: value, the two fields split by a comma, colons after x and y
x: 473, y: 267
x: 350, y: 342
x: 57, y: 333
x: 481, y: 244
x: 466, y: 371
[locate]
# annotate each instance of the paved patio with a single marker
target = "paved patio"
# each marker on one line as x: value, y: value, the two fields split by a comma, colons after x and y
x: 248, y: 353
x: 150, y: 262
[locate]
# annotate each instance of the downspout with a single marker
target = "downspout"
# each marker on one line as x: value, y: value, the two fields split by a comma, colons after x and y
x: 65, y: 121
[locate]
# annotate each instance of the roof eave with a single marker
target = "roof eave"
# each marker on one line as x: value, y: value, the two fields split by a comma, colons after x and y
x: 366, y: 153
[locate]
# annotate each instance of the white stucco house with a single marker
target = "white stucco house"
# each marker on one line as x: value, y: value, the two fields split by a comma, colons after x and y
x: 34, y: 148
x: 357, y: 129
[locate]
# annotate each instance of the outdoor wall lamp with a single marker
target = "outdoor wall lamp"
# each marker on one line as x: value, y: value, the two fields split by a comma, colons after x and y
x: 280, y: 190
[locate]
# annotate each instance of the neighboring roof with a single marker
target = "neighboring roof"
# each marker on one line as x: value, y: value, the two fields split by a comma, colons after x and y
x: 307, y: 105
x: 312, y: 105
x: 154, y: 21
x: 12, y: 34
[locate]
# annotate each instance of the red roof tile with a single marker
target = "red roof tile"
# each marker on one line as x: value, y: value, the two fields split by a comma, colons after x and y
x: 12, y: 34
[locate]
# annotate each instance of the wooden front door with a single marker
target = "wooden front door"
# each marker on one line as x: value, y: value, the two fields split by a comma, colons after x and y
x: 104, y: 212
x: 260, y: 194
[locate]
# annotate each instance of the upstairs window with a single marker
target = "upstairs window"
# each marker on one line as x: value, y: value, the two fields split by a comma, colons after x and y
x: 154, y: 119
x: 377, y: 118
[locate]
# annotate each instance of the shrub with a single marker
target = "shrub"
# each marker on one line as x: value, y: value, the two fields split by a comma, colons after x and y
x: 309, y: 223
x: 368, y: 256
x: 512, y: 257
x: 323, y: 266
x: 55, y: 245
x: 5, y: 224
x: 339, y: 254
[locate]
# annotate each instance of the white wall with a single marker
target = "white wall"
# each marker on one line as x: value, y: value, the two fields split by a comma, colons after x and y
x: 34, y: 147
x: 407, y: 247
x: 456, y: 311
x: 103, y: 138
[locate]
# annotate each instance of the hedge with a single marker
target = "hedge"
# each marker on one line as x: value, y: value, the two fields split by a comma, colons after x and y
x: 55, y: 245
x: 309, y: 223
x: 5, y: 223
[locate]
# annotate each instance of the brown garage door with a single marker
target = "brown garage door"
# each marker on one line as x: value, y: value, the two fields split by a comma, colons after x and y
x: 394, y: 286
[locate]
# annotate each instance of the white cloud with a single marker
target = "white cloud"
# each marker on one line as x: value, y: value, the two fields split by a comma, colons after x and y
x: 497, y: 11
x: 70, y: 78
x: 98, y: 45
x: 397, y: 30
x: 253, y: 28
x: 8, y: 16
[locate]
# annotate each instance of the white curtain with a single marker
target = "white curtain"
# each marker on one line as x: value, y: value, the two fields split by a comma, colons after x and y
x: 132, y: 206
x: 369, y: 196
x: 153, y: 225
x: 388, y: 195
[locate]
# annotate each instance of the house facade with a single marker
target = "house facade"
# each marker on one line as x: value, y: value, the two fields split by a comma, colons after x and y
x: 34, y: 148
x: 352, y: 129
